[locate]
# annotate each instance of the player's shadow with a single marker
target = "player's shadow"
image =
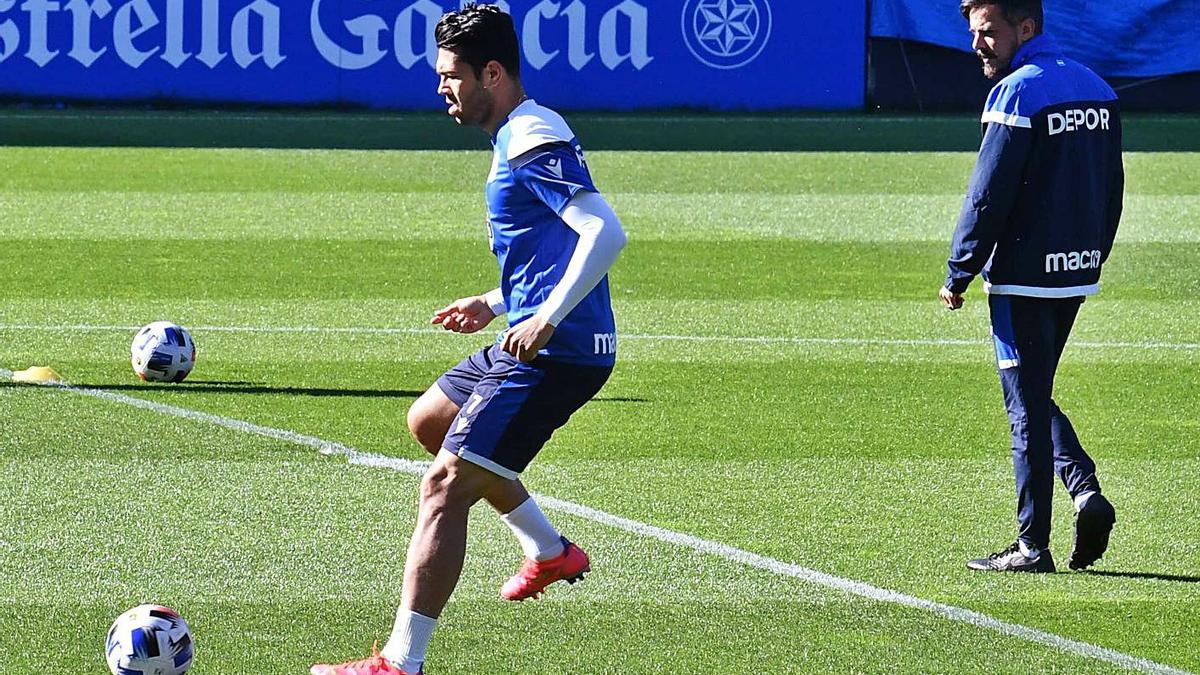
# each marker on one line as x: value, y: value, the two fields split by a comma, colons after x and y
x: 252, y: 388
x: 236, y: 387
x: 1146, y: 575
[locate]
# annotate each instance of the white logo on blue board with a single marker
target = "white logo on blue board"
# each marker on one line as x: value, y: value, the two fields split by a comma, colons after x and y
x: 726, y: 34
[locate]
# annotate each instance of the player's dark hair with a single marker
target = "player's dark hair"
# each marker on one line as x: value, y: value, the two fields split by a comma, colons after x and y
x: 480, y: 34
x: 1015, y: 11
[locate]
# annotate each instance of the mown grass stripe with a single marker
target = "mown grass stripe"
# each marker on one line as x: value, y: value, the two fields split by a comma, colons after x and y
x: 681, y: 539
x: 752, y: 339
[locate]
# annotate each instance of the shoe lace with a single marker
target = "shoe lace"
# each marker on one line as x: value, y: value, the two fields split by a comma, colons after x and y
x: 1016, y: 546
x: 373, y: 660
x: 531, y: 569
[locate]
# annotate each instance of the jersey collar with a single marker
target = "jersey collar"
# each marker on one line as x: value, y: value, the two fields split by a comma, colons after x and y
x: 1041, y: 45
x: 527, y: 103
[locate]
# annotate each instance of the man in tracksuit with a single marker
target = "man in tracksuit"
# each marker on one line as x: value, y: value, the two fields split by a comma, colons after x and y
x: 1038, y: 222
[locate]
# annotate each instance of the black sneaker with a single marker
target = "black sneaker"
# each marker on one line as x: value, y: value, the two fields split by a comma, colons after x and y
x: 1012, y: 560
x: 1093, y: 524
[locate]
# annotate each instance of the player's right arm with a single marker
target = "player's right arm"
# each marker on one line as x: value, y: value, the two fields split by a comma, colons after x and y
x: 469, y: 315
x: 1116, y: 196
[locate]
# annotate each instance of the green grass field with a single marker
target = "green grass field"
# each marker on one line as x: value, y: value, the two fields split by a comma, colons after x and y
x: 788, y: 386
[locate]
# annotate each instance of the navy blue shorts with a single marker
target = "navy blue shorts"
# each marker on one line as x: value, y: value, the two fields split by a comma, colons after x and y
x: 509, y: 409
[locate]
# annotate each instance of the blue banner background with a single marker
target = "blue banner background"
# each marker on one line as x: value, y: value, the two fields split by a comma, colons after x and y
x: 1138, y: 38
x: 579, y: 54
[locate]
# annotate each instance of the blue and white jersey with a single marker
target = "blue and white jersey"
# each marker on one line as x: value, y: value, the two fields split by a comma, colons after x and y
x: 537, y: 167
x: 1046, y: 195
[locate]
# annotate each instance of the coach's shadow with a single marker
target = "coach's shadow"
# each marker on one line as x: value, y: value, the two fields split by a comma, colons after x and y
x: 1145, y: 575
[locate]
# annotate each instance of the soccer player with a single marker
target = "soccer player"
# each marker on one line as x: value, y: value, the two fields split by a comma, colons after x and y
x: 1039, y: 221
x: 484, y: 420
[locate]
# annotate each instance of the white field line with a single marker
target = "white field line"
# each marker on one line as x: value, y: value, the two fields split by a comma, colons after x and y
x: 705, y: 546
x: 727, y: 339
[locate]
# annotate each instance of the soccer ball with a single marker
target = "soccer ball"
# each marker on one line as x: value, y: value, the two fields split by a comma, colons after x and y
x: 149, y: 640
x: 163, y: 352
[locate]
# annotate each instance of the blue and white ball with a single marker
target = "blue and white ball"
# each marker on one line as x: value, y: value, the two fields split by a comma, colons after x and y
x: 149, y: 640
x: 163, y: 352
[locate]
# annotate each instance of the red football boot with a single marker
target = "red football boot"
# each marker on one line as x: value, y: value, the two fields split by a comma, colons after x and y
x: 535, y: 576
x: 376, y: 665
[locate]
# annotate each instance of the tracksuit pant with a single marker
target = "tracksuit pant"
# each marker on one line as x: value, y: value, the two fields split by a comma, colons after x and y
x: 1029, y: 336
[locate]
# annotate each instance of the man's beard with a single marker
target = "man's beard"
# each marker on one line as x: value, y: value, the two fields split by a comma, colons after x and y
x: 994, y: 69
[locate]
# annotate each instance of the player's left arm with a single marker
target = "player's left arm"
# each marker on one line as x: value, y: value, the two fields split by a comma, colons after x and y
x: 995, y: 184
x: 601, y: 239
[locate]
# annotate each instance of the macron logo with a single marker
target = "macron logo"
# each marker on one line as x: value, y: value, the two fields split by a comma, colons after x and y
x: 555, y: 167
x: 606, y: 343
x: 1071, y: 262
x: 1075, y: 120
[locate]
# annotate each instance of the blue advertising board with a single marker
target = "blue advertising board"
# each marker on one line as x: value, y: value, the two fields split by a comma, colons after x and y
x: 1132, y: 38
x: 577, y: 54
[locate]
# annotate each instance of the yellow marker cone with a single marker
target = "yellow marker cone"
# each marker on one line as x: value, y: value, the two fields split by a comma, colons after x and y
x: 37, y: 375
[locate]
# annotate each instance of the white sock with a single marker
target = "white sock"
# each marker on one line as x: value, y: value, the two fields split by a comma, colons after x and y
x: 1027, y: 551
x: 1082, y: 498
x: 410, y: 638
x: 539, y: 540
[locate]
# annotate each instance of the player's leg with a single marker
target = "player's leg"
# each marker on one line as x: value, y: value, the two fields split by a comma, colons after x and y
x: 1073, y: 465
x: 489, y: 442
x: 429, y: 420
x: 435, y: 554
x: 1027, y: 394
x: 432, y: 568
x: 430, y: 416
x: 1027, y: 400
x: 1095, y: 515
x: 1025, y: 358
x: 1071, y: 461
x: 502, y: 426
x: 560, y: 391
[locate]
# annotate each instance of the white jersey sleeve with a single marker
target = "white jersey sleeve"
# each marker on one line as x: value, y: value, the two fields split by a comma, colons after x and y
x: 601, y: 239
x: 534, y: 126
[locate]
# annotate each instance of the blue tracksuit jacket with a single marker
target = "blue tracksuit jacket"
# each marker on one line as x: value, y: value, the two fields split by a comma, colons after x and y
x: 1045, y: 198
